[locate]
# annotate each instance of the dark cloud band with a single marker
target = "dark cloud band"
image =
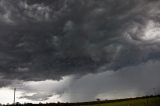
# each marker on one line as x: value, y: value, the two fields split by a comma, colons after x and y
x: 54, y: 38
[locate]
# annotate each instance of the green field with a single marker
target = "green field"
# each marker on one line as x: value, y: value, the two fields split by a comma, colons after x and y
x: 151, y: 101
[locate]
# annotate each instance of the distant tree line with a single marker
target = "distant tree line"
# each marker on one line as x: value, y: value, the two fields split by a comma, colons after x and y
x: 81, y: 103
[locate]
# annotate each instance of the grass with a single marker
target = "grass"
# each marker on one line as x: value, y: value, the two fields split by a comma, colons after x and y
x: 149, y: 101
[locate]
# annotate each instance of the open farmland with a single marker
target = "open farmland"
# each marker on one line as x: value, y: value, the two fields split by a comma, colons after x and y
x: 149, y: 101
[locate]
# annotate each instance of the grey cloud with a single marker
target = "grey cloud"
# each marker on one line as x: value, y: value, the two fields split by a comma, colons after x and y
x: 33, y: 90
x: 4, y: 82
x: 130, y: 81
x: 48, y: 40
x: 38, y: 97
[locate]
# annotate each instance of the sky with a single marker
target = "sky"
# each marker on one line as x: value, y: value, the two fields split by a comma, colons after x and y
x: 78, y: 50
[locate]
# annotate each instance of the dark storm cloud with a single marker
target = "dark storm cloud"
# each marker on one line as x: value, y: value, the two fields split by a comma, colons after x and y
x: 52, y: 38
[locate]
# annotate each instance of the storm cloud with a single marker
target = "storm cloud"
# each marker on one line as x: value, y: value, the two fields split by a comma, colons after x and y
x: 49, y: 39
x: 131, y: 81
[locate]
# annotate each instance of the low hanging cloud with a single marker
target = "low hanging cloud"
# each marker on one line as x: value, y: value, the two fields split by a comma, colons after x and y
x: 34, y: 91
x: 42, y: 40
x: 141, y: 80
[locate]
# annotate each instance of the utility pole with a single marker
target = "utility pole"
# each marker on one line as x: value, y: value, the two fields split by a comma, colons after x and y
x: 14, y: 95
